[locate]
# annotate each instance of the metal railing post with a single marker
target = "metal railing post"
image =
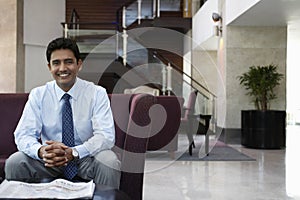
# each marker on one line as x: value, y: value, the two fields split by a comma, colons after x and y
x: 117, y: 44
x: 124, y: 17
x: 158, y: 8
x: 65, y: 30
x: 125, y: 36
x: 139, y: 11
x: 169, y: 81
x: 164, y: 79
x: 154, y: 9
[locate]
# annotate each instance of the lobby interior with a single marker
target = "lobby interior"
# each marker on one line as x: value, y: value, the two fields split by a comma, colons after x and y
x: 251, y: 32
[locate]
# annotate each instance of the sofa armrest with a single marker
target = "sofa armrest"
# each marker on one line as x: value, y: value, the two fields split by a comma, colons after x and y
x: 135, y: 145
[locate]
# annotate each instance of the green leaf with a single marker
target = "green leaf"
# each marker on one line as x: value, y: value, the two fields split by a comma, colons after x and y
x: 260, y: 82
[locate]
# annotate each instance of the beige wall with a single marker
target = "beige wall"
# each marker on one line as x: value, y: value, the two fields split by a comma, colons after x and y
x: 245, y: 47
x: 11, y: 75
x: 240, y: 48
x: 204, y: 69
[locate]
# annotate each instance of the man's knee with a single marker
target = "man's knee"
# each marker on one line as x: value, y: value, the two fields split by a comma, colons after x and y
x: 16, y: 160
x: 108, y: 169
x: 109, y: 159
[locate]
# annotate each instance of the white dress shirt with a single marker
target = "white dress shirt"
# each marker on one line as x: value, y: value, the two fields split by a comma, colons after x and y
x: 41, y: 119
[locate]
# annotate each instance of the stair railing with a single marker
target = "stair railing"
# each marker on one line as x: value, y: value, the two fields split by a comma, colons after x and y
x: 135, y: 12
x: 74, y: 20
x: 130, y: 13
x: 73, y: 24
x: 175, y: 67
x: 208, y: 98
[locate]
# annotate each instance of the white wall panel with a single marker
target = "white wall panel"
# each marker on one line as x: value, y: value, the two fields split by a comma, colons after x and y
x: 42, y: 20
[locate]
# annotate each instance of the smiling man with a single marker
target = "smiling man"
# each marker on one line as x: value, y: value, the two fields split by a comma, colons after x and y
x: 66, y: 129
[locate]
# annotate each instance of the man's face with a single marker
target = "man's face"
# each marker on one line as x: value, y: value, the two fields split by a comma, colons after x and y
x: 64, y: 68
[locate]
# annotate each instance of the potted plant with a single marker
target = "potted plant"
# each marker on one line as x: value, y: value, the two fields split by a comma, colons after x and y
x: 262, y: 128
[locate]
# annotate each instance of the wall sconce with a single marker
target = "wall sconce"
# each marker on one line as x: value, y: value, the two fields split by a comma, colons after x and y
x: 218, y: 28
x: 216, y: 17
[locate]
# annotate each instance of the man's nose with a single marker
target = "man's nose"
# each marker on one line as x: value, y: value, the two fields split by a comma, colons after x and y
x: 62, y: 66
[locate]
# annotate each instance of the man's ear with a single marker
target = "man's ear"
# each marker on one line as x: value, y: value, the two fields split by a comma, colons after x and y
x: 49, y: 66
x: 80, y: 64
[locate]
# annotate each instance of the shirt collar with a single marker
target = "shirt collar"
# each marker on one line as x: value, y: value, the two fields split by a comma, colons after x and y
x: 73, y: 92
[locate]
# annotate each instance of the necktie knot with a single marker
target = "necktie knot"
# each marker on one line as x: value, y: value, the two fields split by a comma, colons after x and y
x: 66, y: 97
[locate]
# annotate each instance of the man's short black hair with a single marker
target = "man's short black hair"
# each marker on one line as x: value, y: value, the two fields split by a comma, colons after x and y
x: 62, y: 43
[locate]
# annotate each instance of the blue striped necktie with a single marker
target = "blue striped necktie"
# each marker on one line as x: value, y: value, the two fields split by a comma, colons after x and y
x: 71, y: 169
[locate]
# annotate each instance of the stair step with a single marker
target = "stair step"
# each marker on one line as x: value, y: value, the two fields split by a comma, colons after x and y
x: 97, y: 48
x: 86, y: 33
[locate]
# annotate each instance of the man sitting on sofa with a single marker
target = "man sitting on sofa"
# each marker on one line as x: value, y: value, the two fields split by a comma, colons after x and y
x: 73, y: 119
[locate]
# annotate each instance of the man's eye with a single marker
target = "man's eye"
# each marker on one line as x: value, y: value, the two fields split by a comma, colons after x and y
x: 69, y: 61
x: 55, y: 63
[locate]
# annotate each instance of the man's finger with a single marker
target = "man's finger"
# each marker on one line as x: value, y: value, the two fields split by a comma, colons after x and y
x: 49, y: 142
x: 51, y: 163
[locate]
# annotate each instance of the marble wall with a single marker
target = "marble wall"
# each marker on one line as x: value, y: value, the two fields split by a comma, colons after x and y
x: 245, y: 47
x: 9, y: 80
x: 205, y: 71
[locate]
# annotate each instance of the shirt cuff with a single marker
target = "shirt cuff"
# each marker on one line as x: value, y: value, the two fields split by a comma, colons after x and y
x: 82, y: 151
x: 35, y: 150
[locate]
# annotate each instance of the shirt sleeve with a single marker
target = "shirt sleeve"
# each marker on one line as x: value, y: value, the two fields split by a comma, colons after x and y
x: 29, y: 127
x: 102, y: 125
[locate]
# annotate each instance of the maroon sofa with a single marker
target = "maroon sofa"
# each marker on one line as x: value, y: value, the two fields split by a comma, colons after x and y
x: 166, y: 138
x: 132, y: 123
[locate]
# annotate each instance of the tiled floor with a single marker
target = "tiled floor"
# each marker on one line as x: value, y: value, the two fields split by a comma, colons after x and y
x: 274, y: 175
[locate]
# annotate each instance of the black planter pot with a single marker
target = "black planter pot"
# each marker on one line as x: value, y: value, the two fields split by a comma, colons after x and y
x: 263, y: 129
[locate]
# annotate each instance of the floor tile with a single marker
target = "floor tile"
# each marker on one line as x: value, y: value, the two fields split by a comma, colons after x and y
x: 274, y: 175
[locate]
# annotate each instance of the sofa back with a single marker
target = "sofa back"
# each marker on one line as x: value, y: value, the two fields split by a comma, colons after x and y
x: 11, y: 108
x: 12, y: 105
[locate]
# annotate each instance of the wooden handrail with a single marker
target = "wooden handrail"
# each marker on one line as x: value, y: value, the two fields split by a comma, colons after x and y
x: 74, y: 25
x: 167, y: 61
x: 89, y: 23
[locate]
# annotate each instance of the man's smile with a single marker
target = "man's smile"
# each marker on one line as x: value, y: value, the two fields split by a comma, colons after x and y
x: 63, y: 75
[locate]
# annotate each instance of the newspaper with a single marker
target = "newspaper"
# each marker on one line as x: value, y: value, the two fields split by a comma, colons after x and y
x: 57, y: 189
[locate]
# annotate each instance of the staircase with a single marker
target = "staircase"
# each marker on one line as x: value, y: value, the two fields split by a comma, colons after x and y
x: 101, y: 41
x: 168, y: 19
x: 151, y: 44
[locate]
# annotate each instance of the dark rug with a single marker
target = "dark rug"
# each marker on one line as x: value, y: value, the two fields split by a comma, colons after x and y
x: 220, y: 152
